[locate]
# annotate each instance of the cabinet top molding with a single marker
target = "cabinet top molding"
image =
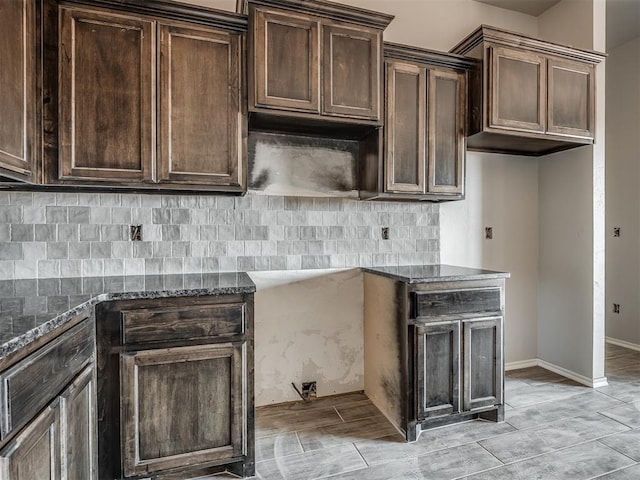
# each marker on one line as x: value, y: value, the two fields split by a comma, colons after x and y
x: 172, y: 10
x: 486, y: 33
x: 324, y: 8
x: 430, y: 57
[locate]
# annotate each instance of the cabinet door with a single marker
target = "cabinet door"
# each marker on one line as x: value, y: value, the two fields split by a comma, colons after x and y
x: 517, y: 90
x: 78, y: 428
x: 351, y: 71
x: 571, y: 106
x: 437, y: 369
x: 106, y: 94
x: 483, y: 363
x: 286, y: 61
x: 17, y: 86
x: 181, y: 406
x: 35, y: 452
x: 447, y: 104
x: 200, y: 136
x: 405, y: 124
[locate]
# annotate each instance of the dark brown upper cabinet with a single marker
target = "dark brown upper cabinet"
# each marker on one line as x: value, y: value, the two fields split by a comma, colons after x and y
x: 149, y: 95
x: 424, y: 133
x: 201, y: 124
x: 19, y: 50
x: 528, y: 96
x: 106, y: 95
x: 313, y: 61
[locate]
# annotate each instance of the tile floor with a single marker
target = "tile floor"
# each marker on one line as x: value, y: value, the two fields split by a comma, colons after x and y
x: 554, y: 429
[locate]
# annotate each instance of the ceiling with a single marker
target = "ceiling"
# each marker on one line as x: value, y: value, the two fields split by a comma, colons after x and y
x: 530, y: 7
x: 623, y: 16
x: 623, y: 22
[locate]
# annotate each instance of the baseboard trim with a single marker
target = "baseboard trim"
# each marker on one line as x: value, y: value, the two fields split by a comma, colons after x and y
x: 532, y: 362
x: 622, y: 343
x: 589, y: 382
x: 536, y: 362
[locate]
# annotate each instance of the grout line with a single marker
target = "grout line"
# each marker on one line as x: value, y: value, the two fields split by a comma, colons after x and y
x: 299, y: 441
x: 361, y: 456
x: 338, y: 413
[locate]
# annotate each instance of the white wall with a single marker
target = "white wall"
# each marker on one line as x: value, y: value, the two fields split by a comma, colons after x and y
x: 502, y: 193
x: 623, y: 191
x: 571, y: 245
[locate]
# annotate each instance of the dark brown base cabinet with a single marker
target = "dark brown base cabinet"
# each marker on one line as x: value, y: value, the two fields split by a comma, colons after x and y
x: 434, y: 351
x: 528, y: 96
x: 58, y: 441
x: 423, y: 152
x: 175, y: 387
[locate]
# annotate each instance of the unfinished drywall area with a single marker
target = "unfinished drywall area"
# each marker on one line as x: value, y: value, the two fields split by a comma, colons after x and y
x: 623, y: 192
x: 310, y: 326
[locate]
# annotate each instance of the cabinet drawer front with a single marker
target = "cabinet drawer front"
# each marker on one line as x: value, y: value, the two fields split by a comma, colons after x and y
x: 453, y: 302
x: 32, y: 383
x: 180, y: 323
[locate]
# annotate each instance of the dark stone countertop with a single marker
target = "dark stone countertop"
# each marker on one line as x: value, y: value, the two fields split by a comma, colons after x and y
x: 32, y: 308
x: 434, y: 273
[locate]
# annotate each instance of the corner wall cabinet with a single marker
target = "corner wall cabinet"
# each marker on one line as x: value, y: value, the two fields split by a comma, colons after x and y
x: 123, y: 93
x: 315, y: 60
x: 19, y: 115
x: 434, y: 351
x: 424, y: 131
x: 176, y: 386
x: 48, y: 408
x: 528, y: 96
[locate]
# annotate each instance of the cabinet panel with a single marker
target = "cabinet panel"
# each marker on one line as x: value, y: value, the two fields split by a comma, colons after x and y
x: 453, y: 302
x: 404, y: 128
x: 571, y: 106
x: 35, y: 452
x: 106, y: 94
x: 17, y: 85
x: 286, y: 61
x: 31, y: 384
x: 517, y: 90
x: 145, y: 325
x: 447, y: 103
x: 78, y: 429
x: 438, y: 367
x: 351, y: 71
x: 181, y: 406
x: 200, y: 107
x: 482, y: 345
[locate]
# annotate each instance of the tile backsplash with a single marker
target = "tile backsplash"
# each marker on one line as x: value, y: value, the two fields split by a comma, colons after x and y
x: 85, y: 234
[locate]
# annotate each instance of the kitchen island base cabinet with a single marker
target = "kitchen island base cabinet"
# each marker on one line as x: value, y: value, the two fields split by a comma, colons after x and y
x: 434, y: 351
x: 175, y: 387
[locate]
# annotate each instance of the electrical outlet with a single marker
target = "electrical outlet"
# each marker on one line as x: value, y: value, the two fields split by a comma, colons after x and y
x: 488, y: 233
x: 309, y: 390
x: 616, y: 231
x: 385, y: 233
x: 616, y: 308
x: 136, y: 233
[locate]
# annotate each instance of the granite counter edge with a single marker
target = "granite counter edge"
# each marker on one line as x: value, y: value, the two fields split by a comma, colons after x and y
x: 60, y: 319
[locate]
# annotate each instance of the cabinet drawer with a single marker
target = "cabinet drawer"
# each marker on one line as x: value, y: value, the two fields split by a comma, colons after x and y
x: 452, y: 302
x: 34, y: 382
x: 182, y: 323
